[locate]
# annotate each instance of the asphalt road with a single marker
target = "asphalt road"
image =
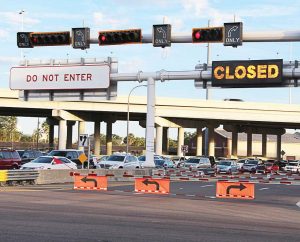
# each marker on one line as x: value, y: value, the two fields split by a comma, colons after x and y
x: 58, y: 213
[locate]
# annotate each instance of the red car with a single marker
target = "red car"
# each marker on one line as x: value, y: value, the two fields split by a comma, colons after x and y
x: 271, y: 168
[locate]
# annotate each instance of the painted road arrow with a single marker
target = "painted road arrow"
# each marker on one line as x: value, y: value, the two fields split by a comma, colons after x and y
x: 147, y: 182
x: 241, y: 187
x: 85, y: 180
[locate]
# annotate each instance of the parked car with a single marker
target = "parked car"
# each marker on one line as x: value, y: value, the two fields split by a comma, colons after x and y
x: 29, y: 155
x: 227, y: 166
x: 49, y: 163
x: 120, y: 161
x: 293, y: 166
x: 159, y: 163
x: 250, y: 166
x: 9, y: 159
x: 71, y: 154
x: 197, y: 162
x: 271, y: 167
x: 240, y: 163
x: 169, y: 164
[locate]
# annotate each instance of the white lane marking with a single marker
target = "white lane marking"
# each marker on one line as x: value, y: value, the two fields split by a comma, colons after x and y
x: 207, y: 185
x: 264, y: 188
x: 210, y: 196
x: 298, y: 204
x: 180, y: 188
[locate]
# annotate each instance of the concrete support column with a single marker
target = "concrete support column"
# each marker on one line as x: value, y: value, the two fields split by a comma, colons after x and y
x: 278, y: 147
x: 211, y: 141
x: 234, y: 142
x: 51, y: 137
x: 264, y: 144
x: 97, y: 144
x: 199, y: 141
x: 165, y: 143
x: 180, y: 140
x: 81, y: 130
x: 62, y: 134
x: 158, y: 138
x: 109, y: 138
x: 249, y: 143
x: 69, y: 133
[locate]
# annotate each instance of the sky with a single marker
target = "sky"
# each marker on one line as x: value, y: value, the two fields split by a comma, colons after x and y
x: 183, y: 15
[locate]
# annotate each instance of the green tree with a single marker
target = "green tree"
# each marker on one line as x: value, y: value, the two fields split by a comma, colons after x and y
x: 131, y: 139
x: 116, y: 139
x: 8, y: 127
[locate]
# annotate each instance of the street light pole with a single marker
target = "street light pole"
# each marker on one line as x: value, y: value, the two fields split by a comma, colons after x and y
x: 127, y: 145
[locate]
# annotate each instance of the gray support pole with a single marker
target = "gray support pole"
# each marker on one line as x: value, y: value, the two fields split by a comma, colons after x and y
x: 180, y: 141
x: 264, y: 144
x: 278, y: 153
x: 199, y: 141
x: 51, y: 137
x: 62, y: 134
x: 234, y: 142
x: 81, y: 130
x: 165, y: 144
x: 211, y: 141
x: 69, y: 134
x: 249, y: 143
x: 150, y: 123
x: 158, y: 138
x: 97, y: 144
x: 109, y: 138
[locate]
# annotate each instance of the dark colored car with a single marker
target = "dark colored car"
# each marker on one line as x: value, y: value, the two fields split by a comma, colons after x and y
x: 9, y: 159
x: 29, y: 155
x: 71, y: 154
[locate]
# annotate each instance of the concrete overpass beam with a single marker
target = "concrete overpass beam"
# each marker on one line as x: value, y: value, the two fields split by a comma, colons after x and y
x: 158, y: 139
x: 180, y: 141
x: 199, y: 141
x: 62, y: 134
x: 97, y: 144
x: 62, y: 114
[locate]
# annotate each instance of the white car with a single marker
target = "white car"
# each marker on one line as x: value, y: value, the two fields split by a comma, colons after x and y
x: 293, y: 166
x: 120, y: 161
x: 49, y: 163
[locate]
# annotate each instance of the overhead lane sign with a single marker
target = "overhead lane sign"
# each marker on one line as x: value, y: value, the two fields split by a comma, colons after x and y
x: 59, y: 77
x: 245, y: 73
x: 233, y: 34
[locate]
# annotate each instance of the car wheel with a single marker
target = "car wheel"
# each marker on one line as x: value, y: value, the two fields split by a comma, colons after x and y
x: 137, y: 167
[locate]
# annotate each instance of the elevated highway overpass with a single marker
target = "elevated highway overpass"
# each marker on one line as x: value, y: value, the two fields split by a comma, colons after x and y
x: 261, y: 118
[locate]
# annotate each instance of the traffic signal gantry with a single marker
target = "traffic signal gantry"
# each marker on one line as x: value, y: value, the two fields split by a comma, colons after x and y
x: 80, y: 39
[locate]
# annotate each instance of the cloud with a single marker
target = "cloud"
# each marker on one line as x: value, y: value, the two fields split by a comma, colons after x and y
x: 132, y: 65
x: 107, y: 21
x: 204, y: 10
x: 9, y: 59
x: 4, y: 34
x: 14, y: 18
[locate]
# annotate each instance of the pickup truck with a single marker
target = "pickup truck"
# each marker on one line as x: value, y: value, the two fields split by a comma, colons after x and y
x: 293, y: 166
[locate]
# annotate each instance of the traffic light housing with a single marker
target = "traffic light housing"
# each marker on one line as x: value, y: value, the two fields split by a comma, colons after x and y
x: 50, y: 38
x: 207, y: 35
x: 23, y: 40
x: 118, y: 37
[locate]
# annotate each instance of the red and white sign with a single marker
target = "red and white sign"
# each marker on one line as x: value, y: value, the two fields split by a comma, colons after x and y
x: 59, y: 77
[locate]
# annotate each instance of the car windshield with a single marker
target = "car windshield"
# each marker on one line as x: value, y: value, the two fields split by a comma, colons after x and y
x: 58, y: 153
x: 159, y: 162
x: 44, y: 160
x: 268, y: 164
x: 293, y: 163
x: 191, y: 160
x: 116, y: 158
x: 225, y: 163
x: 252, y: 162
x: 142, y: 158
x: 241, y: 161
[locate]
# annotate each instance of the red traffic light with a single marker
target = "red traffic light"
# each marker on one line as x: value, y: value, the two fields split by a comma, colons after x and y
x: 205, y: 35
x: 117, y: 37
x: 50, y: 38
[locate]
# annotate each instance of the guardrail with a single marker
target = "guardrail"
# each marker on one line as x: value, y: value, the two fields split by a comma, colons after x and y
x: 11, y: 177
